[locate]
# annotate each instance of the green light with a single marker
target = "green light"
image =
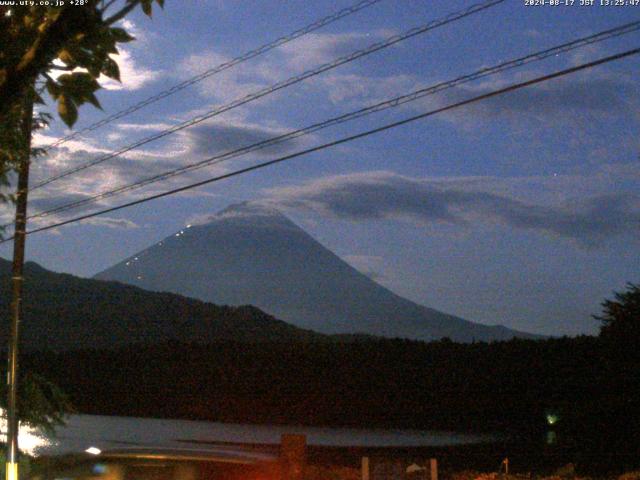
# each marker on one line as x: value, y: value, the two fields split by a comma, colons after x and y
x: 552, y: 418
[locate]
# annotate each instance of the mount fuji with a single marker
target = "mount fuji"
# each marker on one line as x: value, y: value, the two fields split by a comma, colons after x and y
x: 253, y: 254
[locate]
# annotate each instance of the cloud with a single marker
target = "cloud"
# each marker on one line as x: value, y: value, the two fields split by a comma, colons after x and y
x: 44, y: 200
x: 83, y: 184
x: 565, y: 99
x: 132, y: 28
x: 109, y: 222
x: 199, y: 219
x: 38, y: 202
x: 174, y: 152
x: 389, y: 196
x: 360, y: 90
x: 74, y: 153
x: 286, y: 61
x: 141, y: 127
x: 217, y: 137
x: 318, y: 48
x: 228, y: 85
x: 133, y: 75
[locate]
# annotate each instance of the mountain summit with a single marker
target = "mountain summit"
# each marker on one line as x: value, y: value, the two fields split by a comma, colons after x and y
x: 252, y: 254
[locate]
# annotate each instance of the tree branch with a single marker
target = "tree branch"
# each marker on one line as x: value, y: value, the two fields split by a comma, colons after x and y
x: 64, y: 68
x: 39, y: 55
x: 106, y: 6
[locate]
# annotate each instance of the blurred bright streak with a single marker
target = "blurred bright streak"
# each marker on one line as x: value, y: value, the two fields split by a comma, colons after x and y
x: 93, y: 451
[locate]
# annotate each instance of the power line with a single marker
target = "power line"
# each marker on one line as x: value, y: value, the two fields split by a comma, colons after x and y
x: 280, y: 85
x: 217, y: 69
x: 394, y: 102
x: 334, y: 143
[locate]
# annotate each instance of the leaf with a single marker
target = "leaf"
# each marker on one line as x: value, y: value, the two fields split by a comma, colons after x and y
x: 94, y: 68
x: 67, y: 110
x: 146, y: 7
x: 79, y: 85
x: 66, y: 56
x: 110, y: 69
x: 81, y: 56
x: 54, y: 89
x: 101, y: 41
x: 120, y: 35
x: 75, y: 89
x: 93, y: 100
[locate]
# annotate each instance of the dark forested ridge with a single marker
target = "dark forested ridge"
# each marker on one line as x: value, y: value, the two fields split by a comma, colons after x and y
x: 66, y: 312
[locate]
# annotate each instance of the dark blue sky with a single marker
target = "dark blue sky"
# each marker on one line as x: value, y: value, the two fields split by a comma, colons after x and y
x: 522, y: 210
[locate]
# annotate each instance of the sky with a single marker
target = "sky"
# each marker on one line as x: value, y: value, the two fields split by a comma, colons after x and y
x: 521, y: 210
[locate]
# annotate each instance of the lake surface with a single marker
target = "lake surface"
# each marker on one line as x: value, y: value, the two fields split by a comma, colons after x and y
x: 84, y: 431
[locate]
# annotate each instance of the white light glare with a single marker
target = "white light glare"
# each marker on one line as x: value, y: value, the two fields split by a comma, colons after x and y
x: 93, y: 451
x: 30, y: 439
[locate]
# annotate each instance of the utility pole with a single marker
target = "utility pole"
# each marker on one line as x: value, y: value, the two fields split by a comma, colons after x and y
x: 17, y: 280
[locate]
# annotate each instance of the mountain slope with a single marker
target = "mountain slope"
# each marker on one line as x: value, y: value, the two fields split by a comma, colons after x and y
x: 250, y: 254
x: 63, y: 312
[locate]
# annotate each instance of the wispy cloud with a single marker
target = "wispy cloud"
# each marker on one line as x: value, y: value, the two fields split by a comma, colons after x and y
x: 319, y: 48
x: 230, y: 84
x: 177, y: 151
x: 390, y: 196
x: 109, y: 222
x: 563, y: 100
x: 141, y: 127
x: 222, y: 136
x: 286, y: 61
x: 133, y: 75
